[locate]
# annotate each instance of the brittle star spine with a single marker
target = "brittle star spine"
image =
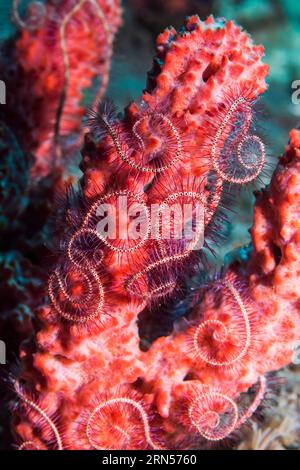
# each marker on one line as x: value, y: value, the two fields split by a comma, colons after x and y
x: 17, y: 18
x: 28, y: 443
x: 66, y: 61
x: 237, y: 421
x: 234, y: 292
x: 243, y: 138
x: 43, y: 414
x: 117, y: 401
x: 136, y: 166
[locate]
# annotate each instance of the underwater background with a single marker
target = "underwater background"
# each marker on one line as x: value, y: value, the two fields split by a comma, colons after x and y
x: 276, y: 25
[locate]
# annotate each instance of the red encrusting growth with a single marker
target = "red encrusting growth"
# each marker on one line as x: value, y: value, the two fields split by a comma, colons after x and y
x: 231, y: 339
x: 63, y: 47
x: 223, y: 340
x: 122, y: 421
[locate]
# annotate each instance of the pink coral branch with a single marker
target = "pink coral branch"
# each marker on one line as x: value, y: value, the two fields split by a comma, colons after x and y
x: 246, y: 324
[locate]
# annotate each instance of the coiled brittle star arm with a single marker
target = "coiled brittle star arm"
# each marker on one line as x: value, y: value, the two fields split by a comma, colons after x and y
x: 109, y: 38
x: 42, y: 413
